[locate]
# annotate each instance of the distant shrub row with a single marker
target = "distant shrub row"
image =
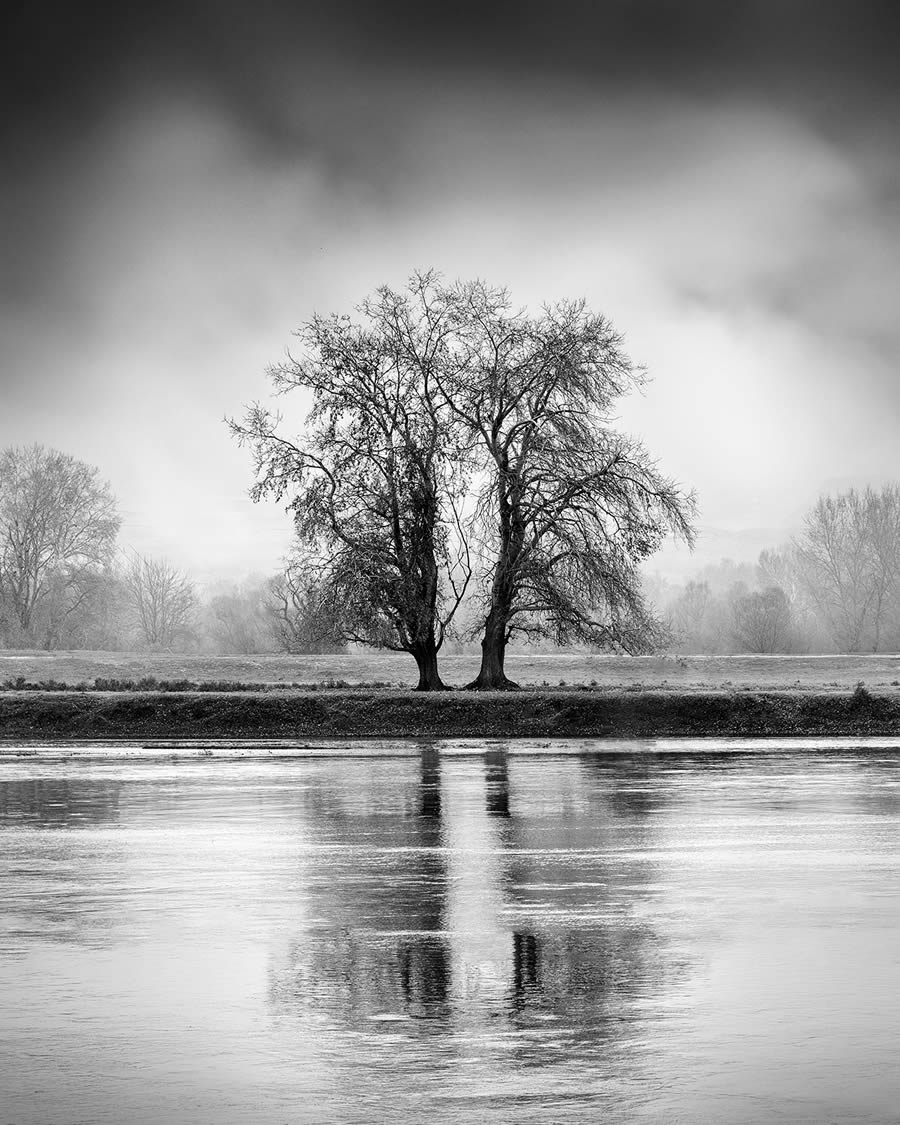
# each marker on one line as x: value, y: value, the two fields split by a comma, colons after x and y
x: 151, y: 683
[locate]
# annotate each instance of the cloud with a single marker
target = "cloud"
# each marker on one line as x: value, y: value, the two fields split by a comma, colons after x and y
x: 717, y: 183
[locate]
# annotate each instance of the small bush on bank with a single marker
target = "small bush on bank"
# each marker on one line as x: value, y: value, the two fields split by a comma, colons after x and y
x: 862, y: 699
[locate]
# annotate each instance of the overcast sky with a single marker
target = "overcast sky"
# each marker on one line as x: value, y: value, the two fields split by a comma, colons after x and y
x: 186, y: 184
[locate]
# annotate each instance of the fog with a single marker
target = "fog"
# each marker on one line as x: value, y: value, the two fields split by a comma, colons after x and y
x: 185, y: 192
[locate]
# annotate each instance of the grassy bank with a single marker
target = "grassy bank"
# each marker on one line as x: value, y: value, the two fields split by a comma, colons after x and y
x: 33, y: 715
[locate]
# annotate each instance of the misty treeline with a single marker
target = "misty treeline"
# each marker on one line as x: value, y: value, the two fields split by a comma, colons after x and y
x: 459, y: 473
x: 834, y: 587
x: 66, y: 583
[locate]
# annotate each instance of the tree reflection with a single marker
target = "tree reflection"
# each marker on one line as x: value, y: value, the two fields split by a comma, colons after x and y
x: 389, y: 954
x: 424, y: 975
x: 430, y: 785
x: 526, y: 983
x: 456, y: 911
x: 589, y: 960
x: 497, y: 782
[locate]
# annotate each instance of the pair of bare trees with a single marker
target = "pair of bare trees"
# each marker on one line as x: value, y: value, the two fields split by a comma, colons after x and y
x: 459, y: 446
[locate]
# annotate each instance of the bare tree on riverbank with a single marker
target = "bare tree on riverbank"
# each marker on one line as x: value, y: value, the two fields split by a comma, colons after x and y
x: 377, y: 480
x: 569, y: 507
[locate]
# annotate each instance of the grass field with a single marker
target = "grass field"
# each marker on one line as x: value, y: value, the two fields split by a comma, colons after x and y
x: 657, y: 673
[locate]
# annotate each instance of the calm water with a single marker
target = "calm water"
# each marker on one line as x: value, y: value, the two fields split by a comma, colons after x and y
x: 492, y: 938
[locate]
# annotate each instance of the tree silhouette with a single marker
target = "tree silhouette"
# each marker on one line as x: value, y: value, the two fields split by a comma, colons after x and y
x: 569, y: 506
x: 376, y: 481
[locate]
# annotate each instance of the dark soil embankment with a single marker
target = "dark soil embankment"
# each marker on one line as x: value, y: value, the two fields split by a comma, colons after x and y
x: 34, y: 716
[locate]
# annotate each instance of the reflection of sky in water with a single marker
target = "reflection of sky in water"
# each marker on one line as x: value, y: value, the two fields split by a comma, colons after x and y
x: 461, y: 938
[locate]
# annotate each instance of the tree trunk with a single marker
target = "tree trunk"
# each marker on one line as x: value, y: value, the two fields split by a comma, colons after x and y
x: 23, y: 612
x: 425, y: 656
x: 491, y: 676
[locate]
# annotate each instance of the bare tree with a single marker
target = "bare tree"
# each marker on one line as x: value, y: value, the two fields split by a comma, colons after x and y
x: 762, y: 620
x: 569, y: 507
x: 58, y: 524
x: 834, y: 561
x: 162, y: 599
x: 377, y: 480
x: 84, y: 609
x: 692, y: 617
x: 783, y: 567
x: 848, y: 557
x: 882, y: 516
x: 302, y: 611
x: 238, y: 621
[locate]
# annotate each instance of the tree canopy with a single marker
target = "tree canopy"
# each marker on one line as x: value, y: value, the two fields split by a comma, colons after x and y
x: 450, y: 434
x: 568, y: 507
x: 376, y: 481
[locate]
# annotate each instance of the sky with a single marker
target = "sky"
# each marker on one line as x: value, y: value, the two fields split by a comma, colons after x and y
x: 185, y: 184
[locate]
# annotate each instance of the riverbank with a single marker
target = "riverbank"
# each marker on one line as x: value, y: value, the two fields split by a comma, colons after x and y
x: 59, y: 715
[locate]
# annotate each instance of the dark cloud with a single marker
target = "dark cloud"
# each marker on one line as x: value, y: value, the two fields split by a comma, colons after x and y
x: 362, y: 86
x: 66, y: 61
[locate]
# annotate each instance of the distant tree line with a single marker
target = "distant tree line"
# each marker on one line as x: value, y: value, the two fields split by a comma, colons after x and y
x: 65, y: 583
x: 835, y: 587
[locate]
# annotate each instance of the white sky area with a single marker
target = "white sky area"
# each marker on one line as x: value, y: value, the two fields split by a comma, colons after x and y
x: 744, y: 255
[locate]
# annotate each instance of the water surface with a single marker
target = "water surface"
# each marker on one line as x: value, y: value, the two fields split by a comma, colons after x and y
x: 452, y: 937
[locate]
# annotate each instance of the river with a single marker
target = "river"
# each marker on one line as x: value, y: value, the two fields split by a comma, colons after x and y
x: 462, y: 934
